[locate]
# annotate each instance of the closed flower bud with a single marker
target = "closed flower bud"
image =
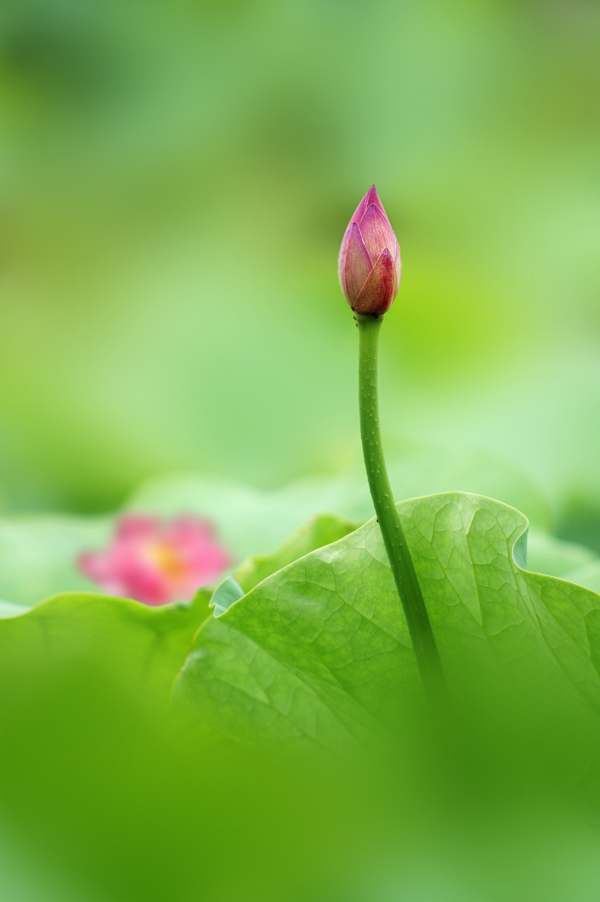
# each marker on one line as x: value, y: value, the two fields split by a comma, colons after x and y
x: 369, y: 263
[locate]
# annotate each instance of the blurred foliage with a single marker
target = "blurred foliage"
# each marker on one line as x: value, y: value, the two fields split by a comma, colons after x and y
x: 39, y: 553
x: 109, y: 793
x: 176, y: 178
x: 176, y: 181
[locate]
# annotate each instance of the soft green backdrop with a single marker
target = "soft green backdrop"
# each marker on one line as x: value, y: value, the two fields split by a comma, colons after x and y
x: 176, y: 179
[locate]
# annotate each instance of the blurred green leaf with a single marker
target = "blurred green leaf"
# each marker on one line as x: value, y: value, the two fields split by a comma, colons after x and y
x: 38, y: 554
x: 554, y: 557
x: 587, y: 575
x: 322, y: 529
x: 139, y: 647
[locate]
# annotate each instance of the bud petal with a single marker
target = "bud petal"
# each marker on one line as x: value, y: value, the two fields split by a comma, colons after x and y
x: 377, y: 232
x: 380, y: 289
x: 369, y: 262
x: 354, y: 263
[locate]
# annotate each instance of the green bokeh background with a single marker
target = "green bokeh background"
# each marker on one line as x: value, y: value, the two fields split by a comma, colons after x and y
x: 176, y: 179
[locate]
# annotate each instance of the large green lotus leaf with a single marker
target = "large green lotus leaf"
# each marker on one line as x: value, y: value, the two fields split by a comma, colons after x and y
x: 317, y: 651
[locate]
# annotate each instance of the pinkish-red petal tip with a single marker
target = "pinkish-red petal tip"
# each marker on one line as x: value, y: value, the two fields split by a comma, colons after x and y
x: 366, y: 200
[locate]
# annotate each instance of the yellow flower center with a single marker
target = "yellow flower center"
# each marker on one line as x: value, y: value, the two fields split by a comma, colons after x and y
x: 168, y: 561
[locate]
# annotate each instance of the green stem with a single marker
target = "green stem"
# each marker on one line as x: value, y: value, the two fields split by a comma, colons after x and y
x: 419, y: 627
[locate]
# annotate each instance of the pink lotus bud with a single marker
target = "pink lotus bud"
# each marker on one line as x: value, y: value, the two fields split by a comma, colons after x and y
x: 369, y: 264
x: 155, y: 562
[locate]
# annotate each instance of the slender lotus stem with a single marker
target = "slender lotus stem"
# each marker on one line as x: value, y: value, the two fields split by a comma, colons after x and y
x: 419, y: 627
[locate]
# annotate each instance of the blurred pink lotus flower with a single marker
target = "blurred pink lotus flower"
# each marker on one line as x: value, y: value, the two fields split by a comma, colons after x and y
x: 157, y: 562
x: 369, y: 264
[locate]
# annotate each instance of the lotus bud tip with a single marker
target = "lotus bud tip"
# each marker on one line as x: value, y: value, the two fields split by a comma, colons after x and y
x: 369, y: 263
